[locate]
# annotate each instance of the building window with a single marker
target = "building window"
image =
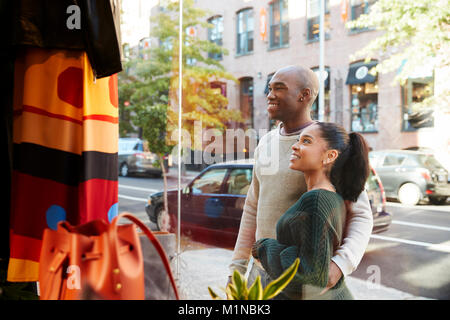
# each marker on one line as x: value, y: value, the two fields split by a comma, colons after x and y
x: 313, y: 18
x: 220, y: 87
x: 364, y: 97
x: 315, y: 105
x: 279, y: 24
x: 414, y: 92
x: 215, y: 35
x: 359, y: 7
x: 245, y: 31
x: 246, y: 100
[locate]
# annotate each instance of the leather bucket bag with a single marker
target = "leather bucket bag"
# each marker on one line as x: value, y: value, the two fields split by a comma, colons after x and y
x: 102, y: 259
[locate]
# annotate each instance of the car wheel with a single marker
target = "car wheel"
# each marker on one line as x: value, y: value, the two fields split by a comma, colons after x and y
x: 124, y: 170
x: 165, y: 222
x: 438, y: 200
x: 409, y: 193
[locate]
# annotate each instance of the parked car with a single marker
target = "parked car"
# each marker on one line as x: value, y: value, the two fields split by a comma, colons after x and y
x: 411, y: 176
x: 212, y: 203
x: 134, y: 157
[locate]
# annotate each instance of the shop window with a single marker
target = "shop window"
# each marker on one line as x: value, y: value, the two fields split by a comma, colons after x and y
x: 215, y: 35
x: 246, y: 100
x: 279, y: 24
x: 414, y: 92
x: 364, y: 102
x: 313, y: 16
x: 364, y: 97
x: 315, y: 106
x: 245, y: 31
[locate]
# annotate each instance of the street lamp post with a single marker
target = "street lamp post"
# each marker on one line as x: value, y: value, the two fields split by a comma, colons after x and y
x: 321, y: 61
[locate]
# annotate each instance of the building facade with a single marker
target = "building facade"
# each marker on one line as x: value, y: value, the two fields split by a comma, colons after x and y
x: 263, y: 36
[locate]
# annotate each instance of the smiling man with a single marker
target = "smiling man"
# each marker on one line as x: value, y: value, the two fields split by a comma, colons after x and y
x: 292, y: 91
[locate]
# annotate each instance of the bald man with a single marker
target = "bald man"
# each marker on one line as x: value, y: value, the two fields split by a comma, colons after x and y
x: 275, y: 187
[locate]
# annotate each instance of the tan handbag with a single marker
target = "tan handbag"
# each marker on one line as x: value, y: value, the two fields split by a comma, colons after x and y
x: 105, y: 259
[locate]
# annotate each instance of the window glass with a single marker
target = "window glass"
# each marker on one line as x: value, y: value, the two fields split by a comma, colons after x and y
x: 245, y: 31
x: 215, y: 34
x: 414, y: 92
x: 315, y: 105
x: 246, y: 100
x: 393, y: 160
x: 279, y: 24
x: 359, y: 7
x: 209, y: 182
x: 429, y: 161
x: 313, y: 16
x: 239, y: 181
x: 364, y: 101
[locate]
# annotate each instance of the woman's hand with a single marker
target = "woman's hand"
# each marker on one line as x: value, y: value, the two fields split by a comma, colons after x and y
x: 255, y: 248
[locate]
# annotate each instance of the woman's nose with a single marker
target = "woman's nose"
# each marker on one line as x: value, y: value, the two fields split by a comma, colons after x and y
x: 295, y: 146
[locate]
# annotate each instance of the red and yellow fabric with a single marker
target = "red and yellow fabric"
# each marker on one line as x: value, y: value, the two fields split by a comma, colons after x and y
x: 65, y: 150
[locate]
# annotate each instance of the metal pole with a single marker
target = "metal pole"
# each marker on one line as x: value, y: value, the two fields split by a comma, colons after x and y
x: 180, y: 98
x: 321, y: 110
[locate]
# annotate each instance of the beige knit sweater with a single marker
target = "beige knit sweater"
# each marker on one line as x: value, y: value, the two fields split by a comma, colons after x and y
x: 274, y: 189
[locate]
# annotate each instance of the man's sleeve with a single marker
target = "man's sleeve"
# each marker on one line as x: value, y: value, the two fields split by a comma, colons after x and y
x: 359, y: 229
x: 247, y: 229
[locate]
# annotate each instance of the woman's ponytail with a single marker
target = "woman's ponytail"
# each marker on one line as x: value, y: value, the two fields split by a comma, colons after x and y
x: 352, y: 176
x: 350, y: 170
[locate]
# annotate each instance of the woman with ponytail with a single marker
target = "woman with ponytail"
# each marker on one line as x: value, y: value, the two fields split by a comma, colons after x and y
x: 335, y: 166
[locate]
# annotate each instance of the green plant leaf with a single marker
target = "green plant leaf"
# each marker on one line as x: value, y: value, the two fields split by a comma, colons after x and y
x: 255, y: 292
x: 231, y: 292
x: 240, y: 285
x: 275, y: 287
x: 213, y: 295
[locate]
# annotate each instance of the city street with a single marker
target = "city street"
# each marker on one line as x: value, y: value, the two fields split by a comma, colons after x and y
x: 413, y: 256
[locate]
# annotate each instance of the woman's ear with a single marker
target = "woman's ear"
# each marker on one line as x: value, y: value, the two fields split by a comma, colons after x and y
x: 331, y: 156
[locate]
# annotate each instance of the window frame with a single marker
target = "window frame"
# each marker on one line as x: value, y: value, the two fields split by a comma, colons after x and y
x: 219, y: 40
x: 367, y: 6
x: 327, y: 17
x: 280, y: 24
x: 245, y: 12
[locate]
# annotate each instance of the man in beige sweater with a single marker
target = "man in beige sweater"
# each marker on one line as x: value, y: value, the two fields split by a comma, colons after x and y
x: 275, y: 187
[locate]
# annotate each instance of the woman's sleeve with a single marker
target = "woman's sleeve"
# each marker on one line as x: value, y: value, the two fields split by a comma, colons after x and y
x: 314, y: 242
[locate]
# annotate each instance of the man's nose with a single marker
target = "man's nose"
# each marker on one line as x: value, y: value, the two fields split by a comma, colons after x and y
x: 270, y: 95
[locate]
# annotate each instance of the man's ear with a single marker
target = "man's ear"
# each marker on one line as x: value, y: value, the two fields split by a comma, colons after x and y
x: 304, y: 94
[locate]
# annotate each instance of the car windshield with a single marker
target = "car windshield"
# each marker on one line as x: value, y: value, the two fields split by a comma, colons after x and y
x: 126, y: 145
x: 430, y: 161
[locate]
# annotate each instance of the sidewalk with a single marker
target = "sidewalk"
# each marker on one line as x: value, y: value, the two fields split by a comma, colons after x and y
x: 209, y: 267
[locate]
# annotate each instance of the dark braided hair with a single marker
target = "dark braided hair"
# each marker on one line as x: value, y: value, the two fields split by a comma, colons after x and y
x: 350, y: 170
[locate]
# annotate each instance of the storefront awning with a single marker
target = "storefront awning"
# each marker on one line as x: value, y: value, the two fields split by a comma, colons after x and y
x: 359, y: 73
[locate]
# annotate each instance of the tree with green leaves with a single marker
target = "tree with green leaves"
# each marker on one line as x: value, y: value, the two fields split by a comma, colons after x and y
x: 414, y: 35
x: 151, y: 82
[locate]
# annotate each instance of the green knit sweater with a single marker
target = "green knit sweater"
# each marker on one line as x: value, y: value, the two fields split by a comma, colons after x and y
x: 311, y: 230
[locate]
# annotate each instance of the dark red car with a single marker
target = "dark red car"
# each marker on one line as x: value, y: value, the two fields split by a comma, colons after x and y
x: 212, y: 203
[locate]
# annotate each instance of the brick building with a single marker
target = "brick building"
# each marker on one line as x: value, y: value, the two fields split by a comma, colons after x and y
x: 263, y: 36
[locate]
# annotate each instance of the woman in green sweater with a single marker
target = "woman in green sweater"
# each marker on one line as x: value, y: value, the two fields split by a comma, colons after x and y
x: 335, y: 165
